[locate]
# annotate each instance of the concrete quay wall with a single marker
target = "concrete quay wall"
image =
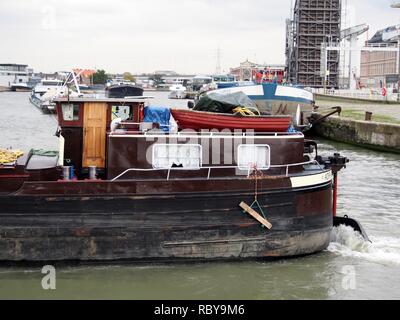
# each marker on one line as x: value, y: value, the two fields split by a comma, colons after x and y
x: 372, y: 135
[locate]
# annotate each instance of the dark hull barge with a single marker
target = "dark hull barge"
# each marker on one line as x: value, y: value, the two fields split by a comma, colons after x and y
x: 126, y: 191
x: 120, y: 91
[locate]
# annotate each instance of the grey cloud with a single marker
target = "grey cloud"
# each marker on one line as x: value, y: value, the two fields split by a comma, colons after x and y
x: 144, y: 35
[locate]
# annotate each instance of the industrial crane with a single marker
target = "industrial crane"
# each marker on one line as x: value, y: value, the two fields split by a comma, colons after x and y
x: 351, y: 35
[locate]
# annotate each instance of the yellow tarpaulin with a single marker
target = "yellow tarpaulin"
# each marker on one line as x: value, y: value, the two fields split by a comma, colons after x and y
x: 9, y: 156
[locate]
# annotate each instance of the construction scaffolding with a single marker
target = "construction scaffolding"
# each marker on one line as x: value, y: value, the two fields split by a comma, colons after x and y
x: 313, y: 23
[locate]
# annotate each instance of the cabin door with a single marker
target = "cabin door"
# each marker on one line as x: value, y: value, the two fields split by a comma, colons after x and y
x: 94, y: 135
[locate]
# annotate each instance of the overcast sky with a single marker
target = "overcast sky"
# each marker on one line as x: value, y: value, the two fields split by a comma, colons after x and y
x: 148, y: 35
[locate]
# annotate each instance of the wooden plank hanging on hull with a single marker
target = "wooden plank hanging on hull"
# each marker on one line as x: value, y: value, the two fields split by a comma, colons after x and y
x: 255, y: 215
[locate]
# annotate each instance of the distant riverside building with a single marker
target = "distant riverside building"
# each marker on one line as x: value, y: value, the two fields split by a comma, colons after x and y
x: 248, y: 71
x: 14, y: 73
x: 144, y: 81
x: 165, y: 73
x: 53, y: 76
x: 85, y: 76
x: 177, y: 79
x: 381, y: 69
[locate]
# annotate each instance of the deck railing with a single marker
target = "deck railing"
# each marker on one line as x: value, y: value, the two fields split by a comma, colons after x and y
x: 250, y: 170
x: 232, y: 133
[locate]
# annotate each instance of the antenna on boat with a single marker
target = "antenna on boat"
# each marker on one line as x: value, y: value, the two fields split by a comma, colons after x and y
x: 76, y: 81
x: 298, y: 116
x: 218, y: 67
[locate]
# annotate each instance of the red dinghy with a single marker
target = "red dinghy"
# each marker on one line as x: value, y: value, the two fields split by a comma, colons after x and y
x: 196, y: 120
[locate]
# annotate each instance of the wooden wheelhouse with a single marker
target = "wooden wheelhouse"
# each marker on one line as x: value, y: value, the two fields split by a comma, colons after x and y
x: 84, y: 125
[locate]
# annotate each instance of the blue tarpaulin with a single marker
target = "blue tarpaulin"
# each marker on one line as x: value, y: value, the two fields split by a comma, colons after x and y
x: 161, y: 115
x: 292, y: 129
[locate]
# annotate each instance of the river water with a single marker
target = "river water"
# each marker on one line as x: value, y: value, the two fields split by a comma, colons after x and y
x: 348, y: 269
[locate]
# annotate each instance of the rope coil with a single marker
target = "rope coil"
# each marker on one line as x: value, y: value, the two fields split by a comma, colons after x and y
x: 246, y: 111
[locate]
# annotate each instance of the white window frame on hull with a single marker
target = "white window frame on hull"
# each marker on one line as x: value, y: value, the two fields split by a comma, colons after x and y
x: 243, y: 155
x: 177, y: 158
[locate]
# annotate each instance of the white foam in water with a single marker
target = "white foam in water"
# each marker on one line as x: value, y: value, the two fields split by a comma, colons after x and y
x: 346, y: 242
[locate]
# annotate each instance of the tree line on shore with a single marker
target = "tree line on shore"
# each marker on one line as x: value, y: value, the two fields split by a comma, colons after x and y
x: 101, y: 77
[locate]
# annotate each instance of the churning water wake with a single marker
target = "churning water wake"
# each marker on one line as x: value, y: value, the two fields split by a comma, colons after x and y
x: 348, y: 243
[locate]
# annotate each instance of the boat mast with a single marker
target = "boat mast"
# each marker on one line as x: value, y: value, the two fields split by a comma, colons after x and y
x: 76, y: 81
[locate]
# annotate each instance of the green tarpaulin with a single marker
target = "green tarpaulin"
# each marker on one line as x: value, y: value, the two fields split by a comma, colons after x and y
x: 224, y: 103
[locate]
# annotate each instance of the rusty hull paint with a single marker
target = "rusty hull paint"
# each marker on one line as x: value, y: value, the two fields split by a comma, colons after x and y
x: 188, y: 226
x: 144, y: 187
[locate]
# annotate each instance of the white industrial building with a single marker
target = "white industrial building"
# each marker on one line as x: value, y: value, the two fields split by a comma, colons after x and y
x: 14, y: 73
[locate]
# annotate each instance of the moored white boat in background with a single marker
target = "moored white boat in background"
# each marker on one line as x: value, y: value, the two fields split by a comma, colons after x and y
x: 275, y: 99
x: 20, y: 87
x: 177, y: 91
x: 45, y: 91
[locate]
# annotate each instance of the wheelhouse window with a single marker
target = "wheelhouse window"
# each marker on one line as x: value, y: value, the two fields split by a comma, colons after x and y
x: 251, y: 156
x: 123, y: 112
x: 70, y: 112
x: 167, y: 156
